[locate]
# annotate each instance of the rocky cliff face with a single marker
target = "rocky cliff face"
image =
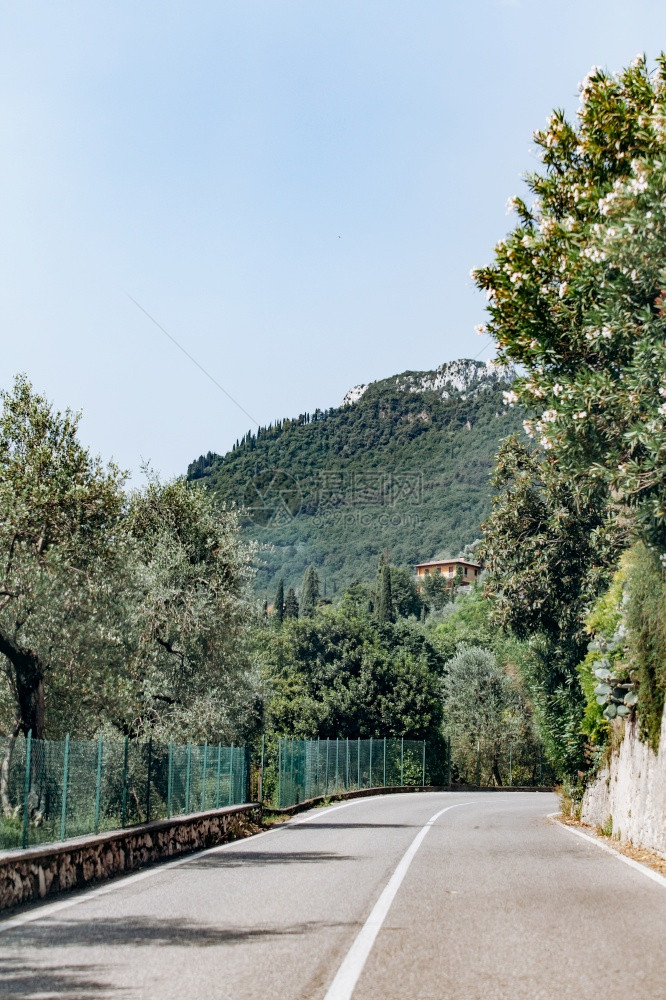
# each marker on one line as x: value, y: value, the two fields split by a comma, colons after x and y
x: 463, y: 378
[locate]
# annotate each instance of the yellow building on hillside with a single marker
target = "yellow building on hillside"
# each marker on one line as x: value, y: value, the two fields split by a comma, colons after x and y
x: 447, y: 568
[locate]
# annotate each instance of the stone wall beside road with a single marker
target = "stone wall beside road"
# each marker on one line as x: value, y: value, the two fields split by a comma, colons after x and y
x: 632, y: 792
x: 41, y: 871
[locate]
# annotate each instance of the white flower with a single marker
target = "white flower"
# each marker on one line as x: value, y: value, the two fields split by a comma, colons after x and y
x: 510, y: 397
x: 549, y: 416
x: 662, y: 409
x: 512, y: 204
x: 557, y: 389
x: 580, y: 415
x: 563, y: 289
x: 528, y: 426
x: 662, y: 390
x: 544, y: 442
x: 593, y: 253
x: 547, y: 226
x: 480, y: 329
x: 606, y: 333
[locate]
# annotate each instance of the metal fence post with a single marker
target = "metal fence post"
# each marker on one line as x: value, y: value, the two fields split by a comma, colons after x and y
x: 65, y: 776
x: 358, y: 760
x: 337, y: 765
x: 231, y: 774
x: 187, y: 777
x: 318, y: 788
x: 510, y: 763
x: 423, y: 780
x: 261, y: 769
x: 478, y: 764
x: 26, y: 787
x: 291, y: 769
x: 203, y: 777
x: 98, y: 783
x: 280, y: 781
x: 347, y: 765
x: 402, y: 760
x: 448, y: 761
x: 327, y: 745
x: 123, y: 807
x: 170, y: 780
x: 384, y: 762
x: 150, y: 769
x: 370, y: 785
x: 219, y: 775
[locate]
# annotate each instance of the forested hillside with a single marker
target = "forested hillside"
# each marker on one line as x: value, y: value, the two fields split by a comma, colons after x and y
x: 403, y: 465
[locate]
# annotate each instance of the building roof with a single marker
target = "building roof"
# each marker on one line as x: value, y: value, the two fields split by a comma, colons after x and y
x: 448, y: 562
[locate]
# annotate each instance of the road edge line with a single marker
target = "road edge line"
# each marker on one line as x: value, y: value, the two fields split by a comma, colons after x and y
x: 349, y: 971
x: 648, y: 872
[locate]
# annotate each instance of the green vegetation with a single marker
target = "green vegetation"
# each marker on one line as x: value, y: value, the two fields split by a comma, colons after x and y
x: 576, y: 295
x: 340, y: 675
x: 125, y: 613
x: 404, y: 470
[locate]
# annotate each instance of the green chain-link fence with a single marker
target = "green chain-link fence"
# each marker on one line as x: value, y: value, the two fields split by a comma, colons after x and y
x: 308, y: 768
x: 56, y: 789
x: 497, y: 763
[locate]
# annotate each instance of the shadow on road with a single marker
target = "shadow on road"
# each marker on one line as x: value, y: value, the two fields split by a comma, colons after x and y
x: 259, y: 859
x: 73, y: 982
x: 353, y: 826
x: 27, y: 979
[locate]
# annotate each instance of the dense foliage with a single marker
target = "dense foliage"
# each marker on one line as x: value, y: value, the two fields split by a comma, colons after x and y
x: 125, y: 612
x: 576, y: 297
x: 403, y: 469
x: 550, y: 547
x: 342, y: 675
x: 577, y: 291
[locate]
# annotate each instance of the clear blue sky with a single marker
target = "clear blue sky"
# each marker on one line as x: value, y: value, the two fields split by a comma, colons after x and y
x: 296, y: 190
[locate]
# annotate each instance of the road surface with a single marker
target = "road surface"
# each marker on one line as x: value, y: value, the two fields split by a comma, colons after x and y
x: 363, y: 899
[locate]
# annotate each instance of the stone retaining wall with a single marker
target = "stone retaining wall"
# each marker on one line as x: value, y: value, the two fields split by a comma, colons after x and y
x: 632, y: 793
x: 41, y: 871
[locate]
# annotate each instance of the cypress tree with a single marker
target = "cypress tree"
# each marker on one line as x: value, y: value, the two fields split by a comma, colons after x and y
x: 291, y: 604
x: 278, y: 608
x: 310, y: 593
x: 384, y: 598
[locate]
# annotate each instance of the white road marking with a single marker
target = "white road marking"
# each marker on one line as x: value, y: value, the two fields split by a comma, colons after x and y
x: 643, y: 869
x: 47, y: 909
x: 348, y: 974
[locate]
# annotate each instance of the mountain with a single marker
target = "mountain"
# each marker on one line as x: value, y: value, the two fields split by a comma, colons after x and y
x: 402, y: 465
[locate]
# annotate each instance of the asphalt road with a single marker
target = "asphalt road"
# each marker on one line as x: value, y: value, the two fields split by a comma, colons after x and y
x: 492, y: 900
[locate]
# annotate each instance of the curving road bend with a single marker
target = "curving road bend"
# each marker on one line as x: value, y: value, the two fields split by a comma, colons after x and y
x: 364, y: 899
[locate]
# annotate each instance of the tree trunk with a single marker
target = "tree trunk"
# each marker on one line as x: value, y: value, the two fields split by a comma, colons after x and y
x: 29, y: 686
x: 496, y: 772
